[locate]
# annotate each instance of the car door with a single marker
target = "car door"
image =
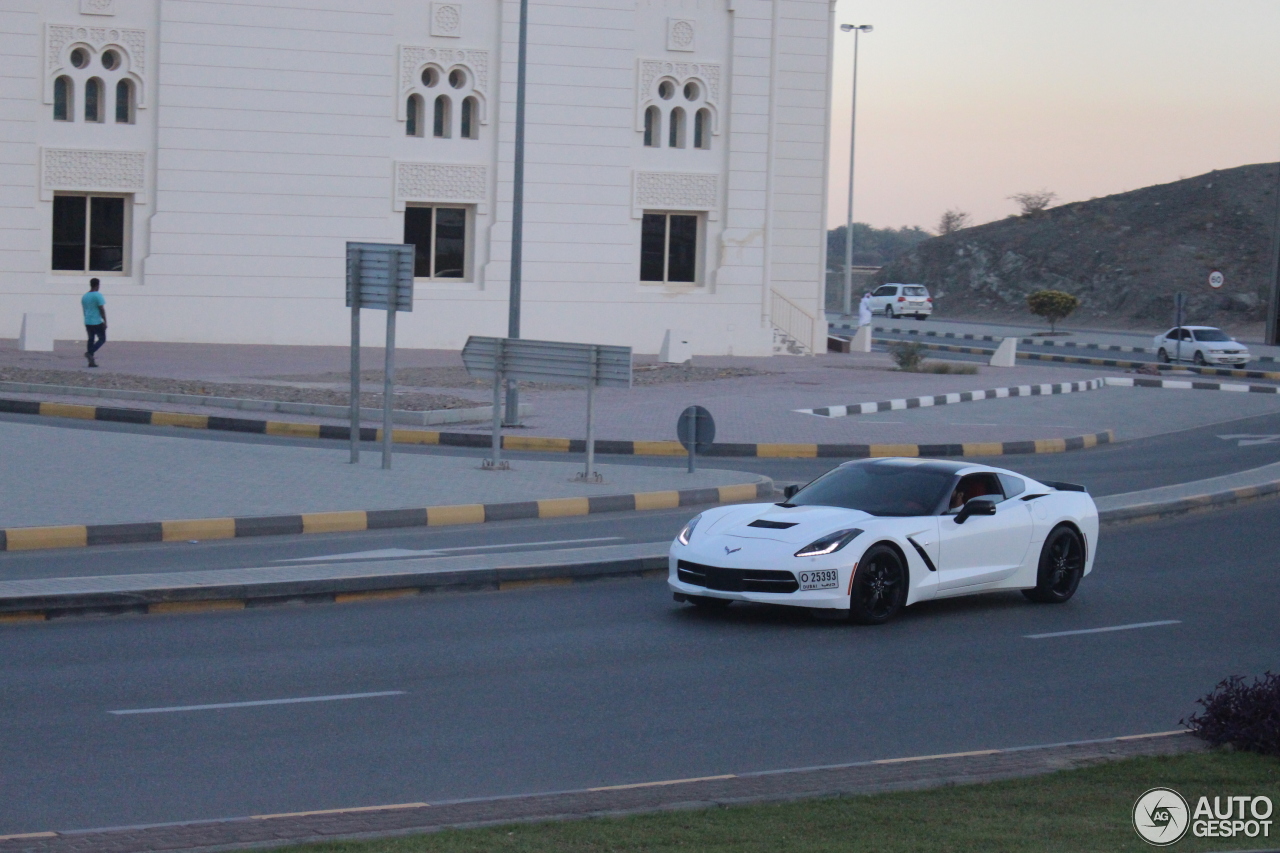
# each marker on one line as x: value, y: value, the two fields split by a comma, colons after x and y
x: 985, y: 548
x: 882, y: 296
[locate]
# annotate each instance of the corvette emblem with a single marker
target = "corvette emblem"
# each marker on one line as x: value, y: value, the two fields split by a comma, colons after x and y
x: 729, y: 550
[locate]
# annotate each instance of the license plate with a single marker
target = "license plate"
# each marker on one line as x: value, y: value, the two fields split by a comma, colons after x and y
x: 820, y: 579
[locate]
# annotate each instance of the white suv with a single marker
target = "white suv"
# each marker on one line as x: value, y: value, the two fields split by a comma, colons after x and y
x: 898, y: 300
x: 1201, y: 344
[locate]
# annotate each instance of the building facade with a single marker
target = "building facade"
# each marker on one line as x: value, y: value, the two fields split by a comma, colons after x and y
x: 209, y: 160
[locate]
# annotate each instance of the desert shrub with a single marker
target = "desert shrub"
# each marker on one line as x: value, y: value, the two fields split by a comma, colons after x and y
x: 1053, y: 305
x: 907, y: 354
x: 1247, y: 716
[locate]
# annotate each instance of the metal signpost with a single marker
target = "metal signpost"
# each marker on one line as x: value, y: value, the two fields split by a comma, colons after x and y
x: 1179, y: 304
x: 696, y: 430
x: 517, y: 359
x: 379, y: 275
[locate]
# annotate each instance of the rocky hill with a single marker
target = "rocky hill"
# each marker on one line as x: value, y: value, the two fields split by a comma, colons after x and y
x: 1123, y: 255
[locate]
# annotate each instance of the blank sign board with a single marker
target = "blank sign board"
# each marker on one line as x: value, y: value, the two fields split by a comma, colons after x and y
x: 372, y: 269
x: 548, y: 361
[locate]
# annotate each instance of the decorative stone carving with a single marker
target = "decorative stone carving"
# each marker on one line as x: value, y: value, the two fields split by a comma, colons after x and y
x: 680, y: 34
x: 97, y: 7
x: 446, y: 20
x: 675, y: 191
x: 652, y: 69
x: 133, y: 43
x: 413, y: 57
x: 441, y: 182
x: 93, y: 171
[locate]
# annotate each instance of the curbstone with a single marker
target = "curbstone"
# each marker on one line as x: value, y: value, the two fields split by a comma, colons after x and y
x: 953, y: 398
x: 80, y: 535
x: 542, y: 444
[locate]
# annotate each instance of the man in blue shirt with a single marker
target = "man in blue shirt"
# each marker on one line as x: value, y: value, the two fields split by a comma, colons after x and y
x: 95, y: 320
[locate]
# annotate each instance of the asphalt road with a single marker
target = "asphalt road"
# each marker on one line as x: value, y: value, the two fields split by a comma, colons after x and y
x: 606, y: 684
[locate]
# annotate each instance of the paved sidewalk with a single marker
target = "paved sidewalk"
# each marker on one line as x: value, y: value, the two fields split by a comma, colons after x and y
x: 51, y: 476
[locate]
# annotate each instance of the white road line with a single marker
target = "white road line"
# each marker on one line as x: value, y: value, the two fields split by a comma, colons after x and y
x: 335, y: 698
x: 401, y: 553
x: 1104, y: 630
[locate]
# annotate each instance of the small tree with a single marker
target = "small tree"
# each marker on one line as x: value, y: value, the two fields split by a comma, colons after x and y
x: 907, y: 355
x: 1053, y: 305
x: 953, y: 220
x: 1034, y: 202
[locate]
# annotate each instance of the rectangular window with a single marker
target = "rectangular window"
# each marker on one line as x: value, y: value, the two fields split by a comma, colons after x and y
x: 439, y: 238
x: 88, y: 233
x: 669, y: 248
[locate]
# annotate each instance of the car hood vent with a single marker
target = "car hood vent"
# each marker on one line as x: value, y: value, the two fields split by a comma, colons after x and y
x: 772, y: 525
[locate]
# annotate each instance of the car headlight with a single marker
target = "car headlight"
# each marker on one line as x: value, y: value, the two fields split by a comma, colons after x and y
x: 829, y: 544
x: 1218, y: 351
x: 685, y: 532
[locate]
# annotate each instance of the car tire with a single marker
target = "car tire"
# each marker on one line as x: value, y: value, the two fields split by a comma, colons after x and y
x: 1198, y: 358
x: 879, y: 588
x: 888, y: 312
x: 705, y: 602
x: 1061, y: 567
x: 922, y: 317
x: 1162, y: 356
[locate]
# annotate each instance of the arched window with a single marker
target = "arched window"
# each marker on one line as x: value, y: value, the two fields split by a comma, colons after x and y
x: 124, y: 102
x: 470, y: 116
x: 93, y: 100
x: 441, y: 123
x: 652, y: 127
x: 675, y: 138
x: 702, y: 129
x: 62, y: 96
x: 413, y: 116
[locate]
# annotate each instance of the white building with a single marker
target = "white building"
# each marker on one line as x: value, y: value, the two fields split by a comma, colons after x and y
x: 209, y: 160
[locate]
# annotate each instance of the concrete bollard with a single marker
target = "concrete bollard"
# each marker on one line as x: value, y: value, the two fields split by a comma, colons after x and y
x: 861, y: 340
x: 1006, y: 355
x: 37, y: 333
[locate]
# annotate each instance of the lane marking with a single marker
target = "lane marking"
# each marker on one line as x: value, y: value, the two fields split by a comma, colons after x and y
x: 1104, y: 630
x: 664, y: 782
x: 341, y: 811
x: 403, y: 553
x: 220, y: 705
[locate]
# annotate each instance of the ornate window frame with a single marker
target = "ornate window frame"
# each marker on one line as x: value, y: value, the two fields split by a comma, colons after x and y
x: 414, y: 59
x: 93, y: 171
x: 61, y: 39
x: 442, y: 183
x: 651, y: 72
x: 696, y: 192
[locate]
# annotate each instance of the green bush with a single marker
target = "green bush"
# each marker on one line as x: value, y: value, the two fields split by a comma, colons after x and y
x: 907, y: 354
x: 1053, y: 305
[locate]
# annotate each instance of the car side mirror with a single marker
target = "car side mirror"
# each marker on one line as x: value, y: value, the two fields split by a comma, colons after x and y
x: 790, y: 491
x: 976, y: 506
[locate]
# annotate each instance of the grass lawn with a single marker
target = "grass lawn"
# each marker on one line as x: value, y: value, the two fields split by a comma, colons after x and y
x: 1074, y: 810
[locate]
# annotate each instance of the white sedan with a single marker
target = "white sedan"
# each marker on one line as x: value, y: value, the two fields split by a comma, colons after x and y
x: 873, y: 536
x: 1201, y: 344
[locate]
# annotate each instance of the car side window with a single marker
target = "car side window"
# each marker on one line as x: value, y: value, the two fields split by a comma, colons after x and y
x: 975, y: 486
x: 1013, y: 486
x: 887, y: 290
x: 1186, y: 335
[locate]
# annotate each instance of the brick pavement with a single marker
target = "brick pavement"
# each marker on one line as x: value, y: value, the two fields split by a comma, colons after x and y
x: 399, y: 819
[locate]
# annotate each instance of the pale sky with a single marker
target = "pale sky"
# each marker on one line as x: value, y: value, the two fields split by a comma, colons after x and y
x: 961, y: 104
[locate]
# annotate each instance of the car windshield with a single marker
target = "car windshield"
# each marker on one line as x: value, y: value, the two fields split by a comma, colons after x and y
x: 878, y: 488
x: 1211, y: 335
x: 915, y: 291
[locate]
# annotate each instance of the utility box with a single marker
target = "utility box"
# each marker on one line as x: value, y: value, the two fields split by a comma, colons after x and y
x: 37, y: 333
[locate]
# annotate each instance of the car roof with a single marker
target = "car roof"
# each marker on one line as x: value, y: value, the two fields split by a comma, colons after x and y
x: 945, y: 466
x: 1193, y: 328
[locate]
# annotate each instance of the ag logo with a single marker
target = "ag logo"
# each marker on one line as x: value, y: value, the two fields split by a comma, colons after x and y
x: 1160, y: 817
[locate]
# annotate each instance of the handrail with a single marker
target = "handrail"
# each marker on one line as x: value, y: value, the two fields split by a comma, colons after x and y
x: 792, y: 320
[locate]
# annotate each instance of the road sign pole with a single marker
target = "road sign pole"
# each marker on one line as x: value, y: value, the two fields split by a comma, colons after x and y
x: 593, y: 376
x: 355, y: 359
x: 495, y: 459
x: 692, y: 416
x: 389, y: 374
x: 1179, y: 301
x: 517, y: 208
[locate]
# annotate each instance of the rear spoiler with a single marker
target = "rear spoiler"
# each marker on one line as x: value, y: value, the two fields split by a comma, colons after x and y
x: 1065, y: 487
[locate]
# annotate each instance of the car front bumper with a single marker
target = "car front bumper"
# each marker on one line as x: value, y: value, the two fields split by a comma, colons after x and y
x: 836, y: 598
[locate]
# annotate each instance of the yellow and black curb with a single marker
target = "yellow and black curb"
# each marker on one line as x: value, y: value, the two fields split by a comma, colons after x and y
x: 541, y: 444
x: 83, y: 535
x: 1154, y: 511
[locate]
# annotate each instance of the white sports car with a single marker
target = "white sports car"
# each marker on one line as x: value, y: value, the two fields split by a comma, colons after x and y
x: 876, y: 535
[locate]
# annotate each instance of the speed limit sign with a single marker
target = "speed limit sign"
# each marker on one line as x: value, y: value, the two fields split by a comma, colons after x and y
x: 1216, y: 279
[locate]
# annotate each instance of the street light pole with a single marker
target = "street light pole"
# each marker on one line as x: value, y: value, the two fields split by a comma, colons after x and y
x: 517, y: 214
x: 847, y: 306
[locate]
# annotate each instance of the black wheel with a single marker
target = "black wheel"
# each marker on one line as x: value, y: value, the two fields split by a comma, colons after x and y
x: 922, y: 317
x: 888, y: 312
x: 1162, y: 356
x: 1199, y: 358
x: 1061, y: 567
x: 879, y: 586
x: 703, y: 602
